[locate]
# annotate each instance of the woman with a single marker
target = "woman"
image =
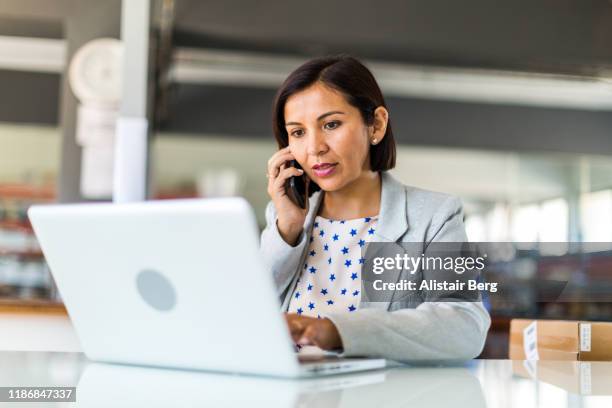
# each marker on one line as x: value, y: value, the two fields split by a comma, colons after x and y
x: 330, y: 117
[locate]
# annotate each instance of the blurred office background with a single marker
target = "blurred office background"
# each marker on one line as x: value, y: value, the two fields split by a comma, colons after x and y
x: 506, y: 104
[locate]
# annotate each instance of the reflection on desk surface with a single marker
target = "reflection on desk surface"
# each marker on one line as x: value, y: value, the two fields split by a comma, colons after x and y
x: 480, y: 383
x: 105, y: 385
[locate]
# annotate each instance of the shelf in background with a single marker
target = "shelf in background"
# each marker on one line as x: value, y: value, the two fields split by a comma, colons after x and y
x: 12, y: 225
x: 32, y: 306
x: 23, y: 254
x: 27, y: 192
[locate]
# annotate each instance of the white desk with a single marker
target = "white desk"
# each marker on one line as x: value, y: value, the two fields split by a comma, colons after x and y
x: 37, y: 332
x: 483, y: 383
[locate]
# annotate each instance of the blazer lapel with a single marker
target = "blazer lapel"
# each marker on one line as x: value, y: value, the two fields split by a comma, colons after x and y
x: 393, y: 216
x: 392, y: 226
x: 314, y: 203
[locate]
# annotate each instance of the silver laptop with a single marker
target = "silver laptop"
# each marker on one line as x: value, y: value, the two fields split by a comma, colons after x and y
x: 175, y: 283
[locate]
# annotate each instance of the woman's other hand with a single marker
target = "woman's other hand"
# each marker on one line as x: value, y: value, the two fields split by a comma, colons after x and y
x: 290, y: 217
x: 310, y: 331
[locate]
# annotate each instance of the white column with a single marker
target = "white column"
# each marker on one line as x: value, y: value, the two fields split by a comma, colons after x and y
x: 130, y: 171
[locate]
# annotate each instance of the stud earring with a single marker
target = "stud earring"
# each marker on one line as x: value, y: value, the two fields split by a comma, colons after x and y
x: 374, y: 141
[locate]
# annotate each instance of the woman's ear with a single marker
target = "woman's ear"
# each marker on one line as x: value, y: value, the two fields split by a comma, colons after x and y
x: 379, y: 127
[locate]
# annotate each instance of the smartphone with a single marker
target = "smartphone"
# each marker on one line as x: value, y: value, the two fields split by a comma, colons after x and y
x: 295, y: 187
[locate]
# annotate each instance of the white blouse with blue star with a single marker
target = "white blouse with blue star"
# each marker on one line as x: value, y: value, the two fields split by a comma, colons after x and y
x: 330, y: 280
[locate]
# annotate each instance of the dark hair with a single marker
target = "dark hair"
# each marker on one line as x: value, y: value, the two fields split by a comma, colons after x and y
x: 353, y: 80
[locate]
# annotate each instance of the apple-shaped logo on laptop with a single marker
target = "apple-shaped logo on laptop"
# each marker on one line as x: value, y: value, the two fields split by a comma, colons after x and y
x: 156, y: 290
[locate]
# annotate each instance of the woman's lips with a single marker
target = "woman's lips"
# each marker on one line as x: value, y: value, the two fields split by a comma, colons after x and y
x: 324, y: 169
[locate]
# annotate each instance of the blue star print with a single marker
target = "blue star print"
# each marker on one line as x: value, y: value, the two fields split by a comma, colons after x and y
x: 330, y: 281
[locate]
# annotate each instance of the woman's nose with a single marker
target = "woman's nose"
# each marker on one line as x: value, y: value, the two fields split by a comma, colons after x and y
x: 316, y: 144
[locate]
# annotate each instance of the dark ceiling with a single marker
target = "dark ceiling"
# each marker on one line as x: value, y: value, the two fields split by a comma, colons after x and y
x: 566, y: 36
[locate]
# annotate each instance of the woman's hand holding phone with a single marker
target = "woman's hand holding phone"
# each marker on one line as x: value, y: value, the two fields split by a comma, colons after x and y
x: 291, y: 217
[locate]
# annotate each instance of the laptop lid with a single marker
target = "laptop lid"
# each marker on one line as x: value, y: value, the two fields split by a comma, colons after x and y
x: 175, y: 283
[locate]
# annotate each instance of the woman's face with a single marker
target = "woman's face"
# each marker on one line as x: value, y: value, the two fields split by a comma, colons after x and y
x: 327, y: 136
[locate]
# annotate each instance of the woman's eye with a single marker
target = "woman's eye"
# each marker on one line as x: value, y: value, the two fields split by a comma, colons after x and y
x: 297, y: 133
x: 332, y: 125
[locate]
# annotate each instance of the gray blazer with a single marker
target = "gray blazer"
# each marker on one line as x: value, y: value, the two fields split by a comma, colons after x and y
x: 404, y: 330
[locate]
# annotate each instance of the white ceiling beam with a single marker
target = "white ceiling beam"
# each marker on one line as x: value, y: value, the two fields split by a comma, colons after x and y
x: 204, y: 66
x: 404, y: 80
x: 32, y: 54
